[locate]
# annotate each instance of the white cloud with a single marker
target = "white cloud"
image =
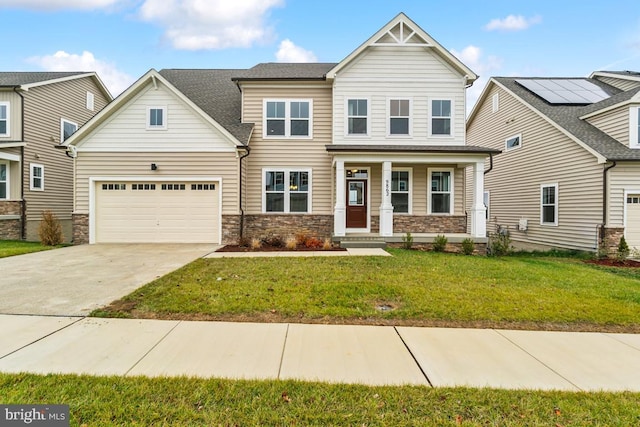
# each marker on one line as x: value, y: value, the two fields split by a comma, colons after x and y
x: 211, y: 24
x: 289, y: 52
x: 512, y: 23
x: 115, y: 80
x: 473, y: 58
x: 58, y: 4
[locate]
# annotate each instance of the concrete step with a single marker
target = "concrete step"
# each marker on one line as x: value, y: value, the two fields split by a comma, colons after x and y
x: 363, y: 244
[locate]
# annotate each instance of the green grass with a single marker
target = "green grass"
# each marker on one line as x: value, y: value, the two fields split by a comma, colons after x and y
x: 422, y: 287
x: 137, y: 401
x: 18, y: 247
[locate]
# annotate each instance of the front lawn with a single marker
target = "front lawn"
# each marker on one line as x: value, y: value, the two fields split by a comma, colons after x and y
x: 410, y: 288
x: 18, y: 247
x: 126, y: 401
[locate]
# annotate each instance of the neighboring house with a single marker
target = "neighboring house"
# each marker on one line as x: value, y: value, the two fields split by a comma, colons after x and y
x: 368, y: 148
x: 569, y: 174
x: 39, y: 110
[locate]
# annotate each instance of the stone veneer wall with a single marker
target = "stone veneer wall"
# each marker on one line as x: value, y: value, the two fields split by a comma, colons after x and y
x: 441, y: 224
x: 258, y: 226
x: 11, y: 227
x: 609, y: 240
x: 80, y: 228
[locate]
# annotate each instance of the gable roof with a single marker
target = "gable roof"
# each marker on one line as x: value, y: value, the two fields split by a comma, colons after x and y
x: 568, y: 118
x: 402, y: 31
x: 216, y: 94
x: 210, y: 98
x: 286, y: 71
x: 26, y: 80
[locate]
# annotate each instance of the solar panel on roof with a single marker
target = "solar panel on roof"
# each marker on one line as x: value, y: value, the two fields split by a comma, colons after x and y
x: 565, y: 91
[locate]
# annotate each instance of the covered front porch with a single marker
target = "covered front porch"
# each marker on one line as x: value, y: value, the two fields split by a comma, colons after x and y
x: 383, y: 192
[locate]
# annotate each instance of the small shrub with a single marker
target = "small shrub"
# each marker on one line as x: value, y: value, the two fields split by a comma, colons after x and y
x: 274, y: 240
x: 439, y: 243
x: 468, y: 246
x: 500, y: 244
x: 313, y: 243
x: 244, y: 242
x: 327, y: 244
x: 50, y: 230
x: 407, y: 241
x: 291, y: 243
x: 256, y: 244
x: 623, y: 250
x: 301, y: 238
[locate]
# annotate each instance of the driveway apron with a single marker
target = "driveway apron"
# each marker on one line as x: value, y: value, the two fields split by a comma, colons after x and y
x: 75, y: 280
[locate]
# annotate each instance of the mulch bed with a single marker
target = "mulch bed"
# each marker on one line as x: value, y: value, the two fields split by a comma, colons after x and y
x: 610, y: 262
x: 269, y: 248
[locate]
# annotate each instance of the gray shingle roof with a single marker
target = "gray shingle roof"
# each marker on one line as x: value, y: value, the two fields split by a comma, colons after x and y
x: 12, y: 78
x: 568, y: 117
x: 216, y: 94
x: 289, y: 71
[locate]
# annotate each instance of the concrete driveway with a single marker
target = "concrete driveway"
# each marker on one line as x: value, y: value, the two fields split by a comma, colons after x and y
x: 75, y: 280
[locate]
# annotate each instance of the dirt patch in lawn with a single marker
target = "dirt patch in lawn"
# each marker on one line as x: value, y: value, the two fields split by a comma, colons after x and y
x: 610, y: 262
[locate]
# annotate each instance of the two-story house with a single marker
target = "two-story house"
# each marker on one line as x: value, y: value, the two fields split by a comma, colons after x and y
x: 39, y: 110
x: 371, y: 147
x: 569, y: 174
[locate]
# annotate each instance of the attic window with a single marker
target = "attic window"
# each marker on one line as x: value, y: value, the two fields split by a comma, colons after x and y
x: 157, y: 118
x: 513, y: 142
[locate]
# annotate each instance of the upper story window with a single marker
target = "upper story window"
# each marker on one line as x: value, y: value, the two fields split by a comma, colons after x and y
x: 399, y: 117
x: 287, y: 191
x: 401, y: 190
x: 67, y: 129
x: 90, y: 101
x: 4, y: 119
x: 357, y: 116
x: 441, y: 117
x: 4, y: 180
x: 549, y: 204
x: 157, y: 118
x: 513, y: 142
x: 37, y: 177
x: 634, y: 127
x: 288, y: 118
x: 440, y: 191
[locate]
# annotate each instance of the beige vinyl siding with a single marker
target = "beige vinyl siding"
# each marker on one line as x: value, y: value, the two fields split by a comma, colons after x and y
x: 384, y: 73
x: 15, y: 115
x: 623, y: 177
x: 127, y: 129
x: 289, y: 153
x: 622, y: 84
x: 546, y: 156
x: 174, y: 165
x: 45, y: 106
x: 614, y: 123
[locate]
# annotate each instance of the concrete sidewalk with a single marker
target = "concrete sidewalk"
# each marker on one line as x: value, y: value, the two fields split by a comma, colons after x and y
x: 374, y: 355
x: 258, y: 254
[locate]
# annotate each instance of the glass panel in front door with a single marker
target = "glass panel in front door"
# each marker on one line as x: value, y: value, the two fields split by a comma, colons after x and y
x: 356, y: 193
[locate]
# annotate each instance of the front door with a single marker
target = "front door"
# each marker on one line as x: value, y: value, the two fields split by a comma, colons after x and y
x: 357, y: 203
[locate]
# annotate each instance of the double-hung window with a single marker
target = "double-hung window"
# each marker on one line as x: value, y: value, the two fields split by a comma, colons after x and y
x: 4, y: 119
x: 401, y: 190
x: 287, y: 191
x: 399, y: 117
x: 440, y: 191
x: 37, y: 177
x: 67, y: 129
x: 549, y: 204
x: 441, y: 117
x: 4, y: 180
x: 357, y: 116
x: 157, y: 118
x: 288, y: 118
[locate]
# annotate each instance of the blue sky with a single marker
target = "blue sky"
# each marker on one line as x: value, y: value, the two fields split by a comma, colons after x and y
x: 122, y: 39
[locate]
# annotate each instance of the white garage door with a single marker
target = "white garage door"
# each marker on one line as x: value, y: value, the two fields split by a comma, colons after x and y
x: 632, y: 229
x: 167, y: 212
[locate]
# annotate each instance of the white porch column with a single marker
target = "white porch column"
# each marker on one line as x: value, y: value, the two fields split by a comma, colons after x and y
x: 478, y: 209
x: 339, y: 211
x: 386, y: 208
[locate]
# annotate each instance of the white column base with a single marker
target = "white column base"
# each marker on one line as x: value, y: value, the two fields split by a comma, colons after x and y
x: 386, y: 221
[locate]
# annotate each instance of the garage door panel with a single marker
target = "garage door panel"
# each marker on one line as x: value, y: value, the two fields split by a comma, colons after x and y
x: 157, y: 212
x: 632, y: 229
